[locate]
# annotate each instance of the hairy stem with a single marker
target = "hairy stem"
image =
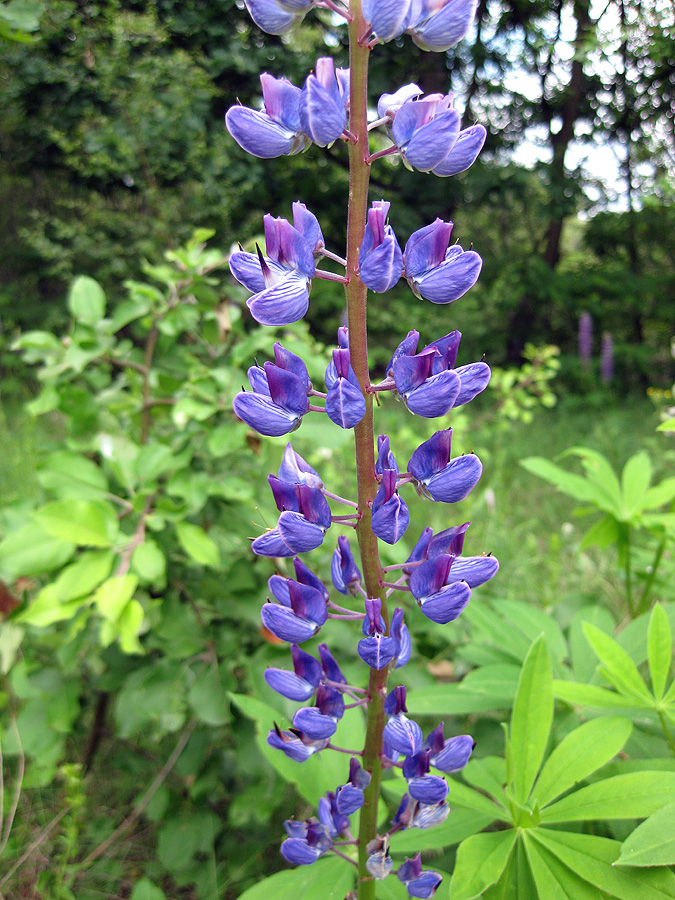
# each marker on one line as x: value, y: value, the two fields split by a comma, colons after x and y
x: 359, y: 172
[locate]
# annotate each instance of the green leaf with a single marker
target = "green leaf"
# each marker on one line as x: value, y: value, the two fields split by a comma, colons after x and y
x: 635, y: 478
x: 208, y: 699
x: 589, y: 695
x: 89, y: 523
x: 128, y: 625
x: 149, y: 563
x: 617, y: 666
x: 579, y: 754
x: 489, y: 775
x: 452, y: 700
x: 481, y: 859
x: 460, y: 824
x: 659, y: 649
x: 583, y: 663
x: 531, y: 718
x: 601, y: 475
x: 592, y: 858
x: 154, y: 460
x: 71, y: 475
x: 114, y: 594
x: 31, y: 551
x: 86, y: 300
x: 653, y: 842
x: 147, y: 890
x: 531, y: 622
x: 573, y: 485
x: 661, y: 493
x: 461, y: 795
x: 329, y: 879
x: 632, y: 796
x: 197, y: 544
x: 554, y: 880
x: 603, y: 534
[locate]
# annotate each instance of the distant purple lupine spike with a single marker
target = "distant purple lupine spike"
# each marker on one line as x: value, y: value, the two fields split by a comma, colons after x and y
x: 345, y: 404
x: 322, y: 104
x: 425, y: 130
x: 295, y: 470
x: 344, y: 571
x: 300, y: 684
x: 435, y: 271
x: 442, y: 24
x: 439, y: 601
x: 441, y: 478
x: 401, y: 636
x: 380, y: 257
x: 419, y: 883
x: 390, y: 512
x: 295, y: 745
x: 585, y: 339
x: 607, y: 358
x: 464, y: 154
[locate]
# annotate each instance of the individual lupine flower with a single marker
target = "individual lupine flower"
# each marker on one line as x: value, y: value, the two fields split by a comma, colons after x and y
x: 474, y: 570
x: 434, y: 270
x: 425, y: 130
x: 390, y: 512
x: 425, y: 393
x: 438, y: 25
x: 307, y: 841
x: 440, y: 601
x: 379, y: 864
x: 441, y: 478
x: 389, y: 104
x: 421, y: 785
x: 400, y: 733
x: 305, y: 518
x: 376, y: 649
x: 274, y: 131
x: 344, y: 571
x: 413, y: 814
x: 448, y: 755
x: 279, y: 399
x: 387, y: 19
x: 280, y: 281
x: 300, y: 684
x: 323, y: 102
x: 349, y: 797
x: 301, y: 609
x: 419, y: 883
x: 295, y: 470
x: 330, y: 816
x: 345, y: 404
x: 464, y: 153
x: 385, y: 458
x: 296, y: 745
x: 401, y: 636
x: 320, y: 721
x: 380, y: 257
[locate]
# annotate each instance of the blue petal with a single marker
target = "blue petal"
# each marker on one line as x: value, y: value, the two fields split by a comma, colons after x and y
x: 322, y: 118
x: 430, y: 144
x: 403, y: 735
x: 298, y: 852
x: 391, y: 520
x: 448, y: 604
x: 425, y: 248
x: 446, y: 28
x: 377, y: 651
x: 452, y: 279
x: 387, y: 18
x: 429, y: 814
x: 281, y: 100
x: 262, y: 414
x: 258, y: 380
x: 314, y: 724
x: 295, y: 470
x: 455, y: 754
x: 348, y: 799
x: 345, y: 404
x: 436, y: 396
x: 464, y: 154
x: 475, y: 378
x: 382, y: 267
x: 298, y: 534
x: 269, y: 16
x: 425, y: 885
x: 457, y: 479
x: 428, y: 788
x: 284, y: 359
x: 432, y: 456
x: 283, y: 303
x: 286, y: 390
x: 259, y: 135
x: 291, y: 745
x: 271, y: 544
x: 245, y: 267
x: 475, y: 570
x: 307, y: 602
x: 289, y: 685
x: 412, y: 371
x: 284, y: 624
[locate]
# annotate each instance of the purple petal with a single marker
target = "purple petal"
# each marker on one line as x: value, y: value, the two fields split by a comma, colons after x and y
x: 430, y: 577
x: 263, y: 415
x: 450, y: 541
x: 464, y: 154
x: 447, y: 348
x: 391, y: 520
x: 287, y: 246
x: 305, y: 576
x: 475, y: 570
x: 283, y: 303
x: 297, y: 851
x: 426, y: 248
x: 457, y: 479
x: 308, y: 225
x: 446, y: 28
x: 387, y: 20
x: 307, y: 602
x: 271, y: 544
x: 407, y: 347
x: 428, y: 788
x: 269, y: 16
x: 323, y: 119
x: 345, y: 404
x: 436, y: 396
x: 432, y: 456
x: 451, y: 279
x: 412, y: 371
x: 291, y: 745
x: 448, y: 604
x: 317, y: 726
x: 295, y: 470
x: 382, y: 267
x: 425, y: 886
x: 289, y: 685
x: 245, y: 267
x: 258, y: 380
x: 377, y: 651
x: 474, y: 378
x: 403, y: 735
x: 455, y: 754
x: 284, y: 359
x: 389, y: 104
x: 259, y: 135
x: 348, y: 799
x: 284, y: 624
x: 285, y: 495
x: 429, y: 146
x: 281, y: 100
x: 286, y: 390
x: 429, y: 814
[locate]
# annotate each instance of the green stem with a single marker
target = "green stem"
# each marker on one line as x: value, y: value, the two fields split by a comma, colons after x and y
x: 359, y: 174
x: 643, y: 605
x: 627, y: 571
x: 666, y: 731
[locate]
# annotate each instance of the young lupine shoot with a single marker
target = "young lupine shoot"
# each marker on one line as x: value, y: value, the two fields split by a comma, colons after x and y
x: 426, y: 132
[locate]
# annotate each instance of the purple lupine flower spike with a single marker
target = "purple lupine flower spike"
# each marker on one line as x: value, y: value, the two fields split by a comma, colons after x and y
x: 465, y: 152
x: 435, y: 271
x: 380, y: 257
x: 322, y: 104
x: 390, y: 513
x: 376, y: 650
x: 344, y: 571
x: 419, y: 883
x: 401, y: 733
x: 425, y: 130
x: 345, y: 404
x: 274, y: 131
x: 442, y: 23
x: 441, y: 478
x: 301, y: 684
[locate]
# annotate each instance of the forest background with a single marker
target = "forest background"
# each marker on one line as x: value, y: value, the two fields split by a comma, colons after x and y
x: 115, y: 165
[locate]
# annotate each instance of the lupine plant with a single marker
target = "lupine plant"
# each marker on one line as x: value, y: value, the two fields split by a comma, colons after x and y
x: 426, y: 133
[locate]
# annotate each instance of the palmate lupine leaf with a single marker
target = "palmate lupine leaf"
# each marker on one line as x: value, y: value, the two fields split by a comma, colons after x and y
x: 653, y: 842
x: 659, y: 649
x: 554, y: 880
x: 481, y: 859
x: 327, y: 879
x: 631, y: 796
x: 531, y: 718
